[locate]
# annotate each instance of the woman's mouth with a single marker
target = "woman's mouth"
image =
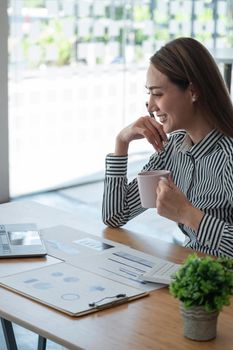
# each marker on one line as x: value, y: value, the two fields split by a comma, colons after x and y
x: 162, y: 118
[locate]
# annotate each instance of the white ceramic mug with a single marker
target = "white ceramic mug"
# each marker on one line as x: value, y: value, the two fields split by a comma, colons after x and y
x: 147, y: 184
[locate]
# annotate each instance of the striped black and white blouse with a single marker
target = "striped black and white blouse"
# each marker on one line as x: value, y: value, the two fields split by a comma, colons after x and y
x: 203, y: 172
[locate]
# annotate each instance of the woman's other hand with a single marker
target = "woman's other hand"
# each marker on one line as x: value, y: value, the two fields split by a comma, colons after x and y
x: 174, y: 205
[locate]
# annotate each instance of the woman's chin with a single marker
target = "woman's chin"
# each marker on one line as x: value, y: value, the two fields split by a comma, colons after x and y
x: 167, y: 129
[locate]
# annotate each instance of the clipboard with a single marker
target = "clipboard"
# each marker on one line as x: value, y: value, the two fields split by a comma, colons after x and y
x: 71, y: 290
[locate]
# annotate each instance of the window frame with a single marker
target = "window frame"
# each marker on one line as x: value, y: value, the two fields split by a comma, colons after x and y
x: 4, y: 137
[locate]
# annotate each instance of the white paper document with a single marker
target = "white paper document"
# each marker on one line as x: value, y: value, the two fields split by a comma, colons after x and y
x: 95, y: 273
x: 67, y: 243
x: 162, y: 272
x: 70, y: 289
x: 104, y: 257
x: 122, y: 264
x: 13, y: 266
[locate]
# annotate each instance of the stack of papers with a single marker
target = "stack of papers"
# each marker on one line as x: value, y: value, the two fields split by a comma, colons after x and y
x: 92, y: 273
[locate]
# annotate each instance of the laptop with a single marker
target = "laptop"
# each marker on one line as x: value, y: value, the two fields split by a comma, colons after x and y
x: 21, y: 240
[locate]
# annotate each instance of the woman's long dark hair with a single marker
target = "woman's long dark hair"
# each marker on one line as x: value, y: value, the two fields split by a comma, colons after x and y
x: 185, y: 61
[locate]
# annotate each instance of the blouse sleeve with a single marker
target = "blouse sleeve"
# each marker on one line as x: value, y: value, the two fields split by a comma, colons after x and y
x: 217, y: 234
x: 121, y: 201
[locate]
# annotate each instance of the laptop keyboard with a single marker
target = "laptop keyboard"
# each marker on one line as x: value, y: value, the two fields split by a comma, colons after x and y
x: 4, y: 243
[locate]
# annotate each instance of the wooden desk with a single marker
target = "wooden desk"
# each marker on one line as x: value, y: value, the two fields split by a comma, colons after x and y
x: 149, y: 323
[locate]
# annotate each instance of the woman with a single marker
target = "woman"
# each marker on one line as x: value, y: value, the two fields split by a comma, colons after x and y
x: 192, y: 104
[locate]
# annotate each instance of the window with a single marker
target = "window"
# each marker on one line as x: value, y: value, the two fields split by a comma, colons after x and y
x: 77, y: 74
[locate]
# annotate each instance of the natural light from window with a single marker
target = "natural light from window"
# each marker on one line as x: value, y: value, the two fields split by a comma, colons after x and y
x: 77, y: 74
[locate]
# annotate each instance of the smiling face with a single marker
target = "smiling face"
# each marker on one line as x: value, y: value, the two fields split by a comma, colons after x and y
x: 174, y: 107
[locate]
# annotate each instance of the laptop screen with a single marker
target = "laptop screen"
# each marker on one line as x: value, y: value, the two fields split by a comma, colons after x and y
x: 20, y: 240
x: 24, y: 237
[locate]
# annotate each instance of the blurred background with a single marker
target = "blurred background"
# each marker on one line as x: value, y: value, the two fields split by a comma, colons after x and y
x: 76, y: 76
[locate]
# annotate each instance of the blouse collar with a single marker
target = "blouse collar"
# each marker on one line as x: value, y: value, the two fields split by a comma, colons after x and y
x: 201, y: 148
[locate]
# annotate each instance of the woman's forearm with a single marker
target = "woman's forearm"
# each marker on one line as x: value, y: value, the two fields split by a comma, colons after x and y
x: 193, y: 218
x: 121, y: 147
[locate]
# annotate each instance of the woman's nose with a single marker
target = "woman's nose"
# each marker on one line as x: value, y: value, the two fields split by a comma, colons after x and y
x: 152, y: 106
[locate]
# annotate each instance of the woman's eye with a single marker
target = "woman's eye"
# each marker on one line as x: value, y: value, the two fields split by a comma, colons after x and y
x: 157, y: 95
x: 153, y: 94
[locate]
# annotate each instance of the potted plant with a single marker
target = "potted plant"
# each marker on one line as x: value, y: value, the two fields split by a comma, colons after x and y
x: 203, y: 285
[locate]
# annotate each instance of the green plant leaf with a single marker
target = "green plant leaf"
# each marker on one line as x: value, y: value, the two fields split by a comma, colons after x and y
x: 204, y: 281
